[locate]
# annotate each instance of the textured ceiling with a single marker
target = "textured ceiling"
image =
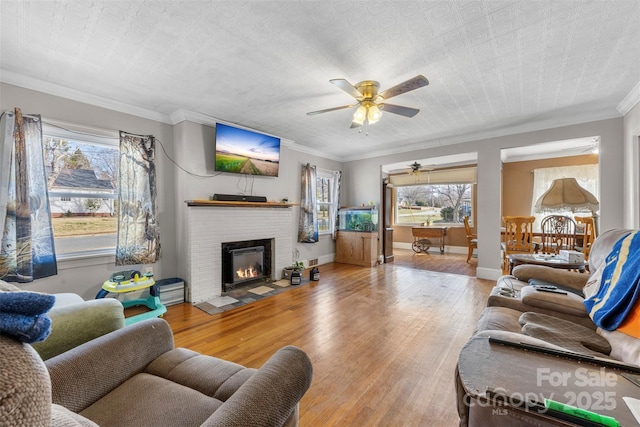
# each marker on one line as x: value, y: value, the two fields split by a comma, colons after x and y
x: 494, y: 66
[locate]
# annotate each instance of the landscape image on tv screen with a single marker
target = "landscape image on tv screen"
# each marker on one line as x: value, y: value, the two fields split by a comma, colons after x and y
x: 246, y: 152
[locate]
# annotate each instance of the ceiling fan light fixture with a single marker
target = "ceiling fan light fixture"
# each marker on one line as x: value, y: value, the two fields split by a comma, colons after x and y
x: 360, y: 115
x: 373, y: 114
x: 370, y: 102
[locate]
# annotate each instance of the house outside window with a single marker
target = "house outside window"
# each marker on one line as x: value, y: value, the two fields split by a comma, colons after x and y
x: 434, y: 198
x: 82, y: 180
x: 323, y: 200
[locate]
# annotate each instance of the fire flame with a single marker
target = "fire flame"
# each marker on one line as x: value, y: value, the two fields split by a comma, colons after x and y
x: 246, y: 273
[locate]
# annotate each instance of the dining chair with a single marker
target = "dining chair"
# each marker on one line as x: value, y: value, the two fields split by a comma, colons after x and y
x: 472, y: 239
x: 585, y: 238
x: 558, y: 232
x: 517, y: 237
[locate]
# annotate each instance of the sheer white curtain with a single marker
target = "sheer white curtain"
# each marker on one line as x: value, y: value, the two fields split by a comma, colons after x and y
x: 586, y: 175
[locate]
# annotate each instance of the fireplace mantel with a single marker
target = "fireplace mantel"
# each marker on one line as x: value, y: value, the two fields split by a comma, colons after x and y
x: 220, y: 203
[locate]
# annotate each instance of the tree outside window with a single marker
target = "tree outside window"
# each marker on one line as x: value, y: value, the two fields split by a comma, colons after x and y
x: 433, y: 204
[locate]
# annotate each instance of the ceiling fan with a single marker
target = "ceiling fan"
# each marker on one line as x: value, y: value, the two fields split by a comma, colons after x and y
x: 371, y: 103
x: 415, y: 168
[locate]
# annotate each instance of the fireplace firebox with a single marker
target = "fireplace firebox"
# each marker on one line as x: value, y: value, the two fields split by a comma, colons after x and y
x: 246, y: 261
x: 248, y: 264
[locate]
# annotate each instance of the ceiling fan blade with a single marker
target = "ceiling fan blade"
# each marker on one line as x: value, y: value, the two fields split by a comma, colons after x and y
x: 354, y: 125
x: 342, y: 107
x: 409, y: 85
x: 398, y: 109
x: 347, y: 87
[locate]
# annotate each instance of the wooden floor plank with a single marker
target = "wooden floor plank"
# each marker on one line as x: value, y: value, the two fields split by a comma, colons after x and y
x: 384, y: 341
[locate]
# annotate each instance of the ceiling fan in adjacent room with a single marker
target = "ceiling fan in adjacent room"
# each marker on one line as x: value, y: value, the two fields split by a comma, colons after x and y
x: 370, y: 103
x: 415, y: 168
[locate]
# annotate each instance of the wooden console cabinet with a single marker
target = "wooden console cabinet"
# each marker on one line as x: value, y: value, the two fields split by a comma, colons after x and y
x: 357, y: 247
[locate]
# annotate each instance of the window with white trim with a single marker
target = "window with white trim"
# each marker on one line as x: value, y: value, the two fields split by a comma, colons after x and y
x: 587, y: 177
x: 324, y: 182
x: 82, y: 180
x: 433, y: 197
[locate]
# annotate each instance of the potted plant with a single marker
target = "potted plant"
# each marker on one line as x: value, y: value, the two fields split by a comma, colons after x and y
x: 296, y: 266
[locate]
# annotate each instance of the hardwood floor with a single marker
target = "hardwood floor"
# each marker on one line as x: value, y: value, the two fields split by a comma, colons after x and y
x: 384, y: 341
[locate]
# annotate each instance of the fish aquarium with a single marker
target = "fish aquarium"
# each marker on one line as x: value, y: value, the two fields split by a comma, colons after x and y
x: 358, y: 219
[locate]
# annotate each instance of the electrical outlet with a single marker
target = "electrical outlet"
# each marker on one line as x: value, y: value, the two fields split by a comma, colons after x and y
x: 149, y: 271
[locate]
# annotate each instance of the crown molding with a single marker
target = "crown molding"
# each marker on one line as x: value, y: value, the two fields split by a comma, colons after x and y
x: 191, y: 116
x: 630, y: 100
x: 488, y: 134
x: 10, y: 77
x: 26, y: 82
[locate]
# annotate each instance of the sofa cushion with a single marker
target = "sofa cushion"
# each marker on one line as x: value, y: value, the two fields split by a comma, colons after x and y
x: 567, y: 278
x: 149, y: 400
x: 569, y: 303
x: 209, y: 375
x: 563, y: 333
x: 623, y: 347
x: 498, y: 319
x: 575, y: 312
x: 62, y: 417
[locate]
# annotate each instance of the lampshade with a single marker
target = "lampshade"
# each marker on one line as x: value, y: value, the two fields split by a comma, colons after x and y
x: 360, y: 115
x: 374, y: 114
x: 567, y: 194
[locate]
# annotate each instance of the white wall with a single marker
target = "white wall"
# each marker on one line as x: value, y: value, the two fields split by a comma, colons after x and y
x: 363, y: 178
x: 632, y: 167
x: 195, y: 147
x: 85, y: 277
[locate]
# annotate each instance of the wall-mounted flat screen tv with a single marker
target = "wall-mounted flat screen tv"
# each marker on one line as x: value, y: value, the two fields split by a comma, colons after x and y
x: 246, y: 152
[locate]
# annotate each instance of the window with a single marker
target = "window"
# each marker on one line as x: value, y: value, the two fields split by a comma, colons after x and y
x: 433, y: 204
x: 323, y: 195
x: 82, y: 179
x: 586, y: 176
x: 442, y: 196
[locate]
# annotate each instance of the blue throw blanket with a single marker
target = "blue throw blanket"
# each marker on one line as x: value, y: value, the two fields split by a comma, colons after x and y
x: 620, y: 284
x: 23, y: 315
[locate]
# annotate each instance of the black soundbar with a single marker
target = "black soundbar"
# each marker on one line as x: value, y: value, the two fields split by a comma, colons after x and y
x: 238, y: 198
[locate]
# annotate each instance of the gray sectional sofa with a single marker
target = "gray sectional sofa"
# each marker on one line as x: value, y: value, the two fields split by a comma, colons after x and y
x: 517, y: 313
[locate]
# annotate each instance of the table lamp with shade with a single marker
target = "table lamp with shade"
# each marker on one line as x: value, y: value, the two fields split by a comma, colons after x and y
x: 565, y: 194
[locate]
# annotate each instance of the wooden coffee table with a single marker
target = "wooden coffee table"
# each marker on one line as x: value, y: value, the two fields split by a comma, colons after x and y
x: 518, y: 373
x: 546, y: 260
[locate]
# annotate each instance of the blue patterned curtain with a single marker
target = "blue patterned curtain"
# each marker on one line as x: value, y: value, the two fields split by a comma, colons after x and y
x: 26, y: 251
x: 308, y: 226
x: 138, y: 230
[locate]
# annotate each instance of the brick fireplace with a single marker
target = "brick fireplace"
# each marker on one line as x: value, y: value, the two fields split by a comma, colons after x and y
x: 211, y: 225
